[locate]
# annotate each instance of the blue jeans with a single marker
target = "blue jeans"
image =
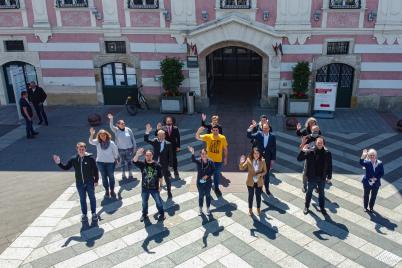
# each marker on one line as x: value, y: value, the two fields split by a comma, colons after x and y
x: 107, y: 173
x: 156, y: 196
x: 217, y: 174
x: 311, y: 185
x: 204, y: 189
x: 126, y: 156
x: 29, y: 128
x: 83, y: 190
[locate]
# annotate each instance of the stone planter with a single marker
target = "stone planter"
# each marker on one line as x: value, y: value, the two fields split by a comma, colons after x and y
x: 298, y: 107
x: 172, y: 104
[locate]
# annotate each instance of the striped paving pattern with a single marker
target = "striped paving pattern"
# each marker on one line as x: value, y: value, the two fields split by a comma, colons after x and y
x: 282, y: 236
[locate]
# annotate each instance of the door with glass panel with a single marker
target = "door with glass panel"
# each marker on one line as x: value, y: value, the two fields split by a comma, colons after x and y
x: 118, y: 80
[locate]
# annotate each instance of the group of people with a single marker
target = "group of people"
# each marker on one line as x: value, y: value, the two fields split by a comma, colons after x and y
x: 34, y: 96
x: 155, y: 168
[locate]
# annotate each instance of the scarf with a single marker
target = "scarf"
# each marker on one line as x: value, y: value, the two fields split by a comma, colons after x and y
x: 104, y: 144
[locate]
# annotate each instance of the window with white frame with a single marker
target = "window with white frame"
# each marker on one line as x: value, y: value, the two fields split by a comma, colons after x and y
x: 344, y: 4
x: 235, y: 4
x: 72, y: 3
x: 145, y: 4
x: 9, y: 4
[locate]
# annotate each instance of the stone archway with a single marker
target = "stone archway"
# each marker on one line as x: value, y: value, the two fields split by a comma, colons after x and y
x: 237, y: 31
x: 351, y: 60
x: 103, y: 59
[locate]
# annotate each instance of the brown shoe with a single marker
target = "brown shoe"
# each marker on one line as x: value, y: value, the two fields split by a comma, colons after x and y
x: 258, y: 211
x: 250, y: 212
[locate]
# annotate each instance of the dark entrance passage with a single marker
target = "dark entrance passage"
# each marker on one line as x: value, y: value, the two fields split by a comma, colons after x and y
x: 342, y: 74
x: 234, y: 74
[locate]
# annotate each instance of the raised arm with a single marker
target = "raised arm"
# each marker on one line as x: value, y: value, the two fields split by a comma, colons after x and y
x: 243, y: 163
x: 198, y: 133
x: 363, y: 157
x: 91, y: 139
x: 58, y: 162
x: 112, y: 127
x: 148, y: 129
x: 250, y: 129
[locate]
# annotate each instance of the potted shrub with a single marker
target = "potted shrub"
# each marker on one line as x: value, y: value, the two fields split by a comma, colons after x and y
x: 299, y: 103
x: 172, y: 78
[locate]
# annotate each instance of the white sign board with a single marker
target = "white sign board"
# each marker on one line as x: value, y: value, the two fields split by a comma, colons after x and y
x: 18, y: 81
x: 325, y: 96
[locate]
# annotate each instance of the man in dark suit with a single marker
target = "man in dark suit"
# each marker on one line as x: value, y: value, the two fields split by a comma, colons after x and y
x: 37, y: 97
x: 258, y: 127
x: 163, y: 154
x: 26, y: 112
x: 172, y: 135
x: 266, y: 143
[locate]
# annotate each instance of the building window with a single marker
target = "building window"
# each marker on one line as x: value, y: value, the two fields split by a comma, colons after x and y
x: 337, y: 48
x: 14, y: 45
x: 72, y: 3
x: 235, y: 4
x: 115, y: 47
x: 118, y: 74
x: 344, y: 4
x: 145, y: 4
x: 9, y: 4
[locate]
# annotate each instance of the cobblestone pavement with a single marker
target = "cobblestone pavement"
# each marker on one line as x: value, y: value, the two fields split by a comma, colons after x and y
x: 46, y: 208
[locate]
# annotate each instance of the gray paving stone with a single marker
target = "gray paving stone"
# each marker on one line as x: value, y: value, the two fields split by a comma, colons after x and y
x: 347, y: 250
x: 311, y: 260
x: 256, y: 259
x: 237, y: 246
x: 54, y: 258
x: 186, y: 253
x: 99, y: 263
x: 125, y: 253
x: 369, y: 262
x: 161, y: 263
x: 86, y: 246
x: 216, y: 264
x: 285, y: 245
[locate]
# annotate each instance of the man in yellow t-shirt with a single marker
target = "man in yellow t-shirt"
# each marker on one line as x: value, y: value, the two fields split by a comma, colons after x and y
x: 217, y: 150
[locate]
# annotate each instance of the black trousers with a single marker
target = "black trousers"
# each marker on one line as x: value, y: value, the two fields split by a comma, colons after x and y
x: 166, y: 174
x: 258, y: 191
x: 40, y: 112
x: 174, y: 162
x: 29, y: 128
x: 366, y: 198
x: 311, y: 185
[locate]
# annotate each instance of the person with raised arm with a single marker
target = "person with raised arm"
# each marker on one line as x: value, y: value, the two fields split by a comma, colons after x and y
x: 214, y: 122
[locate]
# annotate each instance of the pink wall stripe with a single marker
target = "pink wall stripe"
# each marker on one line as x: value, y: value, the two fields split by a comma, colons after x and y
x: 67, y: 73
x: 381, y: 75
x: 159, y: 56
x: 381, y: 57
x: 76, y: 38
x: 380, y: 92
x: 51, y: 12
x: 296, y: 57
x: 66, y: 55
x: 151, y: 38
x: 286, y: 75
x: 152, y: 90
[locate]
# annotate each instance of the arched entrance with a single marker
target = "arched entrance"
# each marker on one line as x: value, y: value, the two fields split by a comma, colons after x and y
x: 234, y: 73
x: 117, y: 80
x: 17, y: 75
x: 343, y: 74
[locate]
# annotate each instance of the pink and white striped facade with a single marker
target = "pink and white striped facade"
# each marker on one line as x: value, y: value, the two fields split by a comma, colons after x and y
x: 66, y: 45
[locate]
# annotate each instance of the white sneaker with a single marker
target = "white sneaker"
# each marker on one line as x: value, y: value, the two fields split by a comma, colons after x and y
x: 200, y: 212
x: 208, y: 212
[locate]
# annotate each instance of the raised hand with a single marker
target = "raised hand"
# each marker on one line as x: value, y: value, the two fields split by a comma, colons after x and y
x: 110, y: 116
x: 148, y: 128
x: 203, y: 117
x: 201, y: 129
x: 92, y: 131
x: 190, y: 149
x: 140, y: 151
x: 305, y: 148
x: 242, y: 158
x: 159, y: 126
x: 298, y: 126
x: 365, y: 152
x: 56, y: 159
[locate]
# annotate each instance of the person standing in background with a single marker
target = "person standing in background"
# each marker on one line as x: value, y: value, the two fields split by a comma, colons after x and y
x: 126, y: 145
x: 214, y: 122
x: 37, y: 97
x: 26, y: 112
x: 107, y: 155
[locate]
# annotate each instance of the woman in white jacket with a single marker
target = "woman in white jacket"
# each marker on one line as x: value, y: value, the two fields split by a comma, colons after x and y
x: 106, y: 157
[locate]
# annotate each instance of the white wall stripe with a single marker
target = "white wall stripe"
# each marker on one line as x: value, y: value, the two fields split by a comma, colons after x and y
x: 155, y: 65
x: 378, y: 49
x: 157, y: 48
x: 302, y: 49
x: 64, y: 47
x: 150, y: 82
x: 69, y: 81
x: 67, y: 64
x: 287, y: 66
x: 378, y: 84
x: 381, y: 67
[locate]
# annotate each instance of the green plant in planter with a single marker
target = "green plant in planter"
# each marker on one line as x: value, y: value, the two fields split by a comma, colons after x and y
x: 301, y: 75
x: 172, y: 76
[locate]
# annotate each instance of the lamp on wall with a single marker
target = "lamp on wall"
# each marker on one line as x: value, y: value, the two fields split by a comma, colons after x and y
x: 372, y: 15
x: 317, y: 15
x: 204, y: 15
x: 166, y: 14
x: 265, y: 15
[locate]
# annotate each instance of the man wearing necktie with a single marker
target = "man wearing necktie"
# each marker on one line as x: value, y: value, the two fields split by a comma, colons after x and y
x: 163, y: 154
x: 172, y: 134
x: 266, y: 143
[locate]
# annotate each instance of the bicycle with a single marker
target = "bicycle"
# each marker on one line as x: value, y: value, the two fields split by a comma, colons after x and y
x: 136, y: 100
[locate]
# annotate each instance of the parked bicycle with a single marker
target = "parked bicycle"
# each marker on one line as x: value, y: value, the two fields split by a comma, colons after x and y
x: 136, y: 100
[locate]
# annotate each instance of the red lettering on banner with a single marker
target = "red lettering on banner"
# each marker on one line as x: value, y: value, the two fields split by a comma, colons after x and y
x: 323, y: 90
x: 324, y: 105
